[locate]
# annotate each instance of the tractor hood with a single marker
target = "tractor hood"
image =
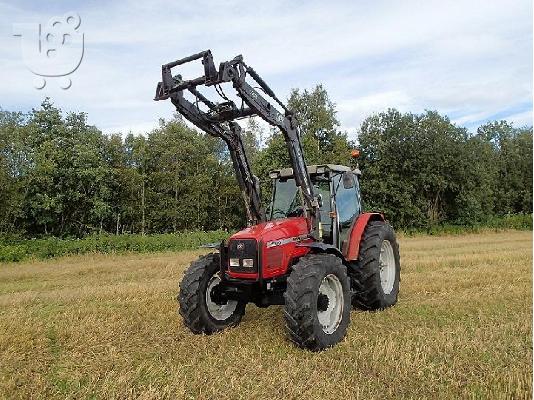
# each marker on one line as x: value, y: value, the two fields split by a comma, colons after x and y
x: 296, y: 228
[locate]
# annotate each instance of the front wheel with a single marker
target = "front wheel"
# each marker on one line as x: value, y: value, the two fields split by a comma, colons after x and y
x: 317, y: 302
x: 200, y: 313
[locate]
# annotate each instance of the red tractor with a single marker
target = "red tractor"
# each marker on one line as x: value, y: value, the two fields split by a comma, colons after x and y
x: 314, y: 251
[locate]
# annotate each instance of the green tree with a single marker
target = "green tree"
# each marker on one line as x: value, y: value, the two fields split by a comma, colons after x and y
x: 61, y: 176
x: 14, y: 166
x: 69, y: 185
x: 44, y: 197
x: 133, y: 185
x: 182, y: 166
x: 322, y: 141
x: 414, y: 166
x: 513, y: 160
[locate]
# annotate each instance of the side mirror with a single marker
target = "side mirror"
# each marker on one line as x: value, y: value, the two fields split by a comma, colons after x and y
x: 348, y: 180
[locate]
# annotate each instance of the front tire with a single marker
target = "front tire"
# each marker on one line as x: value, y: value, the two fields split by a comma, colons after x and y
x: 199, y: 312
x: 376, y: 276
x: 317, y: 302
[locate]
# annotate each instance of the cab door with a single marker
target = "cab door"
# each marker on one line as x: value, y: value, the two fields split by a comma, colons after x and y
x: 327, y: 228
x: 348, y: 205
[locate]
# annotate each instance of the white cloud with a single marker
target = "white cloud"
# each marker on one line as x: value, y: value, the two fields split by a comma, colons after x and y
x: 469, y: 59
x: 375, y: 102
x: 521, y: 119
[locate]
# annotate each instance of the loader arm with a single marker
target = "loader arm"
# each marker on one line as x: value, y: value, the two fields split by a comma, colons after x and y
x: 219, y: 121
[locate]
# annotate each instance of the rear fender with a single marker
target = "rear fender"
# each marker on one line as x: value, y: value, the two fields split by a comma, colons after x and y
x: 352, y: 249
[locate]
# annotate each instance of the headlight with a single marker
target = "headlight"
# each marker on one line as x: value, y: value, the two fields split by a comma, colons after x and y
x: 234, y: 262
x: 248, y: 263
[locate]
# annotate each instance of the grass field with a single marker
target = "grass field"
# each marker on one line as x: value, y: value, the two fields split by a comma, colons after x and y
x: 105, y: 327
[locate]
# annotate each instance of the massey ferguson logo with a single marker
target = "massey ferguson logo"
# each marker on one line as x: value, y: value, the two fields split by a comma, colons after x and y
x: 295, y: 239
x: 240, y: 246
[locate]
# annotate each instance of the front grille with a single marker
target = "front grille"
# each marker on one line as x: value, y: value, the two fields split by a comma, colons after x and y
x: 243, y: 248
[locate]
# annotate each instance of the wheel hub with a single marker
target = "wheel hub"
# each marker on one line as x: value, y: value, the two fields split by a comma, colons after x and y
x: 217, y: 297
x: 322, y: 302
x: 330, y: 303
x: 218, y: 311
x: 387, y: 267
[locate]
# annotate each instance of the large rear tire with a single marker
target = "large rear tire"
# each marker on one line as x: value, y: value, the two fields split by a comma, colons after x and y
x: 200, y: 313
x: 317, y: 302
x: 376, y: 275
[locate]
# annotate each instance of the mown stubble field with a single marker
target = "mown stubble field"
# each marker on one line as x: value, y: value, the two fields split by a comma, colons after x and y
x: 106, y: 327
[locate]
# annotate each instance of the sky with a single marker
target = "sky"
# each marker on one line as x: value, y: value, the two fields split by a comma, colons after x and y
x: 470, y: 60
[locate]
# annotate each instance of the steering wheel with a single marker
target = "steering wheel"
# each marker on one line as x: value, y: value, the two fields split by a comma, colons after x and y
x: 296, y: 212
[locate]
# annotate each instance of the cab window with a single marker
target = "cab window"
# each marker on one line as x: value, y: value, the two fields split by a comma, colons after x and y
x: 347, y: 203
x: 286, y: 201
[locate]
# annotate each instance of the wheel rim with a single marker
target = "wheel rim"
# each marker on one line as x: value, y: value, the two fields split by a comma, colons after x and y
x: 219, y: 312
x: 387, y: 267
x: 331, y: 293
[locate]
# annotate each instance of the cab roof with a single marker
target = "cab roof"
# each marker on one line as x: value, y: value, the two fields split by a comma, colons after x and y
x: 320, y: 169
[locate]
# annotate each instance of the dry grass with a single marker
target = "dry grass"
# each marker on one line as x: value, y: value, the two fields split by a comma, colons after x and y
x: 106, y: 327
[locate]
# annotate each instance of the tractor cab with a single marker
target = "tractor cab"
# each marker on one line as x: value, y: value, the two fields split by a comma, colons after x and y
x: 338, y: 191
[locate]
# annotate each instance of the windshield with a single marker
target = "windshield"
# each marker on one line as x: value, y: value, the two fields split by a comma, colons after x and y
x: 286, y: 201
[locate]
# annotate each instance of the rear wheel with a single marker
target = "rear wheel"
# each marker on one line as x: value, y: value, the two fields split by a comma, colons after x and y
x: 317, y: 302
x: 200, y: 313
x: 376, y: 275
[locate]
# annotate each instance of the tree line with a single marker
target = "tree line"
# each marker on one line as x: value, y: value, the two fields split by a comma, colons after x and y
x: 60, y: 176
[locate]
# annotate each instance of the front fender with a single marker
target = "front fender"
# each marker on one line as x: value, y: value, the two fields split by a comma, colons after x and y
x: 323, y: 248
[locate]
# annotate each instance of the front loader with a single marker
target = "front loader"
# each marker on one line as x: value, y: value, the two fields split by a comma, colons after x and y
x: 313, y: 251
